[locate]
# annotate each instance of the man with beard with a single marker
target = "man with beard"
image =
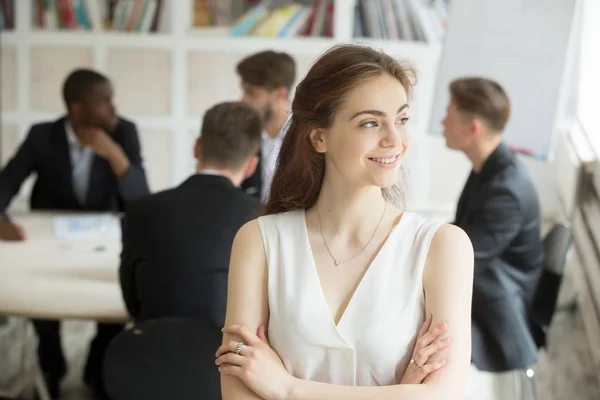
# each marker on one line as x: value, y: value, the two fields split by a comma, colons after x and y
x: 88, y: 160
x: 266, y: 79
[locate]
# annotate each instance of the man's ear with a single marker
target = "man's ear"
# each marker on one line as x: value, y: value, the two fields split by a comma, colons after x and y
x: 476, y: 127
x: 75, y: 110
x: 197, y: 145
x: 317, y: 138
x: 250, y: 167
x: 282, y: 93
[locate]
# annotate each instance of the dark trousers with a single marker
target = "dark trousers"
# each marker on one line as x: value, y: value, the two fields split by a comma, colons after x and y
x: 51, y: 357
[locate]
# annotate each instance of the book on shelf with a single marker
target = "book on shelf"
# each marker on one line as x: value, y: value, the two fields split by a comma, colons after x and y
x: 412, y: 20
x: 267, y: 18
x: 208, y: 13
x: 109, y: 15
x: 7, y: 15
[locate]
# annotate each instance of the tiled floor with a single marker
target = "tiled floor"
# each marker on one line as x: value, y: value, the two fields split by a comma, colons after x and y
x: 565, y: 371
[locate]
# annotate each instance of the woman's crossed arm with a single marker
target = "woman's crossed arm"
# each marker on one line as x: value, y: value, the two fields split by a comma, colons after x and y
x: 447, y: 282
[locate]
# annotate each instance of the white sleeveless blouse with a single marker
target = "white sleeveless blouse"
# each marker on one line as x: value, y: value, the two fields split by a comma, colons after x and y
x: 376, y: 334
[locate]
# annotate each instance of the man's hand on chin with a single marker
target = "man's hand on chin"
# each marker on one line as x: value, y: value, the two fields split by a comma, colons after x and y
x: 97, y: 140
x: 103, y: 145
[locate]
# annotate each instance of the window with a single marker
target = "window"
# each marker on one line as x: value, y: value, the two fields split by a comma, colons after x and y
x: 589, y: 84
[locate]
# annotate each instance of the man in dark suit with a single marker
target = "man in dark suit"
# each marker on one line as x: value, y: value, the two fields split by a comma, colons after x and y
x: 266, y: 79
x: 499, y: 210
x: 88, y: 160
x: 177, y: 243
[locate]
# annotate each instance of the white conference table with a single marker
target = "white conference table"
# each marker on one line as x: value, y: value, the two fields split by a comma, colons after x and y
x: 58, y: 277
x: 47, y: 276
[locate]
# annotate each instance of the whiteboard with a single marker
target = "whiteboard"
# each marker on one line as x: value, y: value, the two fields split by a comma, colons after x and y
x: 521, y: 44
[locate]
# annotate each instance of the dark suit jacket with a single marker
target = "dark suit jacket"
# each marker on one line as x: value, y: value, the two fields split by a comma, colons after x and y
x: 176, y: 249
x: 253, y: 184
x: 499, y: 210
x: 45, y: 152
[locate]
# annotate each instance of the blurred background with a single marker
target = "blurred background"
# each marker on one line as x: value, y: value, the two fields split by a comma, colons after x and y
x: 169, y: 61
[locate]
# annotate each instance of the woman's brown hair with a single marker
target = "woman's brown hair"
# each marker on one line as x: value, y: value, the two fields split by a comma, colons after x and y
x: 300, y: 168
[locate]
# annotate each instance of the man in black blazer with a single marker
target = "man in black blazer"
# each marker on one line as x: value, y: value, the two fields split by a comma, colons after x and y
x: 499, y: 210
x: 177, y: 243
x: 88, y: 160
x: 267, y: 78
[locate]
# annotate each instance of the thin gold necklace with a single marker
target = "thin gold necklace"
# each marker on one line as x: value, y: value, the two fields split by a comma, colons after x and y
x: 340, y: 262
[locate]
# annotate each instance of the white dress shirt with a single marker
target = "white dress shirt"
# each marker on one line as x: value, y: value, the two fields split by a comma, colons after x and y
x: 82, y: 158
x: 269, y: 151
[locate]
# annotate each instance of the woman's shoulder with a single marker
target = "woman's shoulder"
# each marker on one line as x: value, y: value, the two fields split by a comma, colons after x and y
x: 450, y: 245
x: 452, y: 236
x: 248, y: 234
x: 421, y: 224
x: 266, y: 230
x: 435, y: 233
x: 277, y: 219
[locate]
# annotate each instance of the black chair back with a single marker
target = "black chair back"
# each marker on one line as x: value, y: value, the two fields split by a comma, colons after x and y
x: 557, y: 247
x: 171, y: 358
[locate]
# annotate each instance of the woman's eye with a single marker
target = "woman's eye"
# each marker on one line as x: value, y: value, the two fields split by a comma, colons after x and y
x: 403, y: 121
x: 369, y: 124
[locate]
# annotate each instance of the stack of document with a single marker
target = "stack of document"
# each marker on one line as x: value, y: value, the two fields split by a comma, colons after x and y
x: 103, y: 226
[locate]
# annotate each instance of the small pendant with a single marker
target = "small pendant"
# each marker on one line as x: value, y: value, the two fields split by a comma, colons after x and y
x: 337, y: 262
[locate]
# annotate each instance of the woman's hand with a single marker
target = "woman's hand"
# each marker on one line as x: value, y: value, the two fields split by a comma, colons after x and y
x: 255, y: 363
x: 428, y: 343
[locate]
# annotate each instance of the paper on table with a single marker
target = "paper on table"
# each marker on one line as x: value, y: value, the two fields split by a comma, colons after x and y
x: 87, y: 227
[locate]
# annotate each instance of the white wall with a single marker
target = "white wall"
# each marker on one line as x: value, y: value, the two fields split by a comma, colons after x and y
x: 438, y: 174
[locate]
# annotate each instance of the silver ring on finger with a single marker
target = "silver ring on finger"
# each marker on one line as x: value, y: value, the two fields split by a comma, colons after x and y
x: 412, y: 361
x: 238, y: 349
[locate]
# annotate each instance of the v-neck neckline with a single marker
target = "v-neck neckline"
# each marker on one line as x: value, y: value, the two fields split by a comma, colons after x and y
x: 364, y: 277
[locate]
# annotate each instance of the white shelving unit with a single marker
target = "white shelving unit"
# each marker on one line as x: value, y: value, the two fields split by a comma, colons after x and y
x: 180, y: 42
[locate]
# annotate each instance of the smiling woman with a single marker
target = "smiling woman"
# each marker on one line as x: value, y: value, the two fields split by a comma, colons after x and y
x: 318, y: 104
x: 341, y: 278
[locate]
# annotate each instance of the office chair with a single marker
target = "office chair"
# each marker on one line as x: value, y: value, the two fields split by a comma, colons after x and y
x: 170, y: 358
x: 557, y: 249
